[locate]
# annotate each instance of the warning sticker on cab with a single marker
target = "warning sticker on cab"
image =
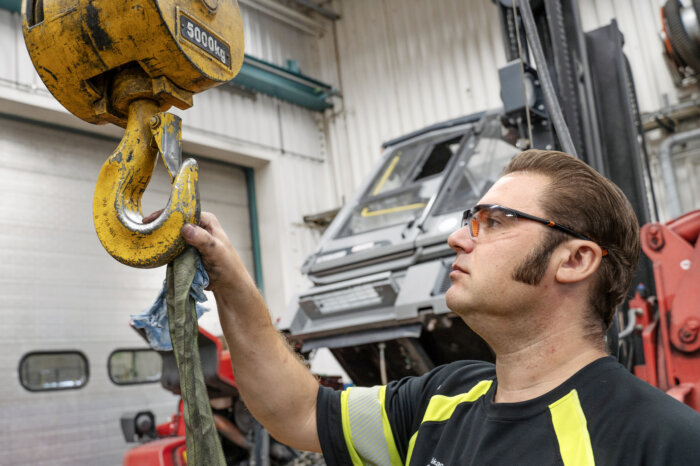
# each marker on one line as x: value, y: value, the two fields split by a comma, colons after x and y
x: 204, y: 39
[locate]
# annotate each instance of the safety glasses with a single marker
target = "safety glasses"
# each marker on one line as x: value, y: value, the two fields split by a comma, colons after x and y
x: 492, y: 219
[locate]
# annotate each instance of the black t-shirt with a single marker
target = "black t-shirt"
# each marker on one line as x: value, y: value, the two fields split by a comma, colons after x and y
x: 602, y: 415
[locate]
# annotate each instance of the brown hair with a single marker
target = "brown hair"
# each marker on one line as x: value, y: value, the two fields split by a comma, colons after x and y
x: 582, y: 199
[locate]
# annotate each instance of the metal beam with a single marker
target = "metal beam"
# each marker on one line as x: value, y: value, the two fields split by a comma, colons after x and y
x: 332, y: 15
x: 286, y: 15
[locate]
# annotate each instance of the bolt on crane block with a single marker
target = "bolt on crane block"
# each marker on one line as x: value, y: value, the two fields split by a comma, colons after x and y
x: 126, y: 62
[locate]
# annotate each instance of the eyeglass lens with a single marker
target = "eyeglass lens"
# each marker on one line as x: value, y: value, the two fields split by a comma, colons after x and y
x: 486, y: 220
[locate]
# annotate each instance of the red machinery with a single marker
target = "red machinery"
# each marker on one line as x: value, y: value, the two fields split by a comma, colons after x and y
x: 671, y: 338
x: 164, y: 444
x: 241, y: 436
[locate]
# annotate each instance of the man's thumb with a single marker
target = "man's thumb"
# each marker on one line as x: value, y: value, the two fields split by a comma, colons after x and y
x: 189, y: 232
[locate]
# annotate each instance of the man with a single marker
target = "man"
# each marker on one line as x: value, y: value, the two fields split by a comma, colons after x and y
x: 542, y: 261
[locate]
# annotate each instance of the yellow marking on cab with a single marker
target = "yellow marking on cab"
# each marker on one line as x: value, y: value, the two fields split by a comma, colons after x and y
x: 367, y: 213
x: 387, y: 174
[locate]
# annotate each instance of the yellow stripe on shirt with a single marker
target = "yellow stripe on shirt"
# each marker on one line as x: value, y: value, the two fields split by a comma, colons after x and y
x: 572, y: 431
x: 440, y: 408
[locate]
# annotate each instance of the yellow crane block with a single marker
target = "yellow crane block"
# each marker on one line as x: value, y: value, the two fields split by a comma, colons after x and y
x: 183, y: 46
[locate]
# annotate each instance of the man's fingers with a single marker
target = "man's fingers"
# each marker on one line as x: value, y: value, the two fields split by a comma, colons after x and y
x: 209, y: 222
x: 198, y: 237
x: 205, y: 235
x: 218, y: 255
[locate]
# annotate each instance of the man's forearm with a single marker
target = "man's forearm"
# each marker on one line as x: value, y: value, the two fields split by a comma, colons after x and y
x: 276, y: 387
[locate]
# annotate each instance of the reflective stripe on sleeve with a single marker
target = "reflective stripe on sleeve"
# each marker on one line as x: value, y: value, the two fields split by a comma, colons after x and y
x: 366, y: 427
x: 572, y: 431
x: 440, y: 408
x: 346, y: 428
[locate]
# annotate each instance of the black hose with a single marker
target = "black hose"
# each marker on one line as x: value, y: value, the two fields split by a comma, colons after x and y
x: 682, y: 44
x: 550, y: 96
x: 634, y: 107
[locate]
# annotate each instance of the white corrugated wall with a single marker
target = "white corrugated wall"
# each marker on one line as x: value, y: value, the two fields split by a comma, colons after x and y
x: 405, y: 64
x: 59, y: 290
x: 254, y: 119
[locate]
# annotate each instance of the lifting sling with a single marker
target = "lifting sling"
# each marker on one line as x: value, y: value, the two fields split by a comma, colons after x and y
x: 203, y: 445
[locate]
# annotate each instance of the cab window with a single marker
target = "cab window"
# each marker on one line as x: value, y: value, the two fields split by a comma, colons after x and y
x: 476, y: 171
x: 402, y: 188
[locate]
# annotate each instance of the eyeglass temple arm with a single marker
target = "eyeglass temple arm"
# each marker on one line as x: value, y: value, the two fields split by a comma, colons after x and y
x: 552, y: 224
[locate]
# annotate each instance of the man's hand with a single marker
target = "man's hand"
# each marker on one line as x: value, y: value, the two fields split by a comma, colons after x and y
x: 219, y: 257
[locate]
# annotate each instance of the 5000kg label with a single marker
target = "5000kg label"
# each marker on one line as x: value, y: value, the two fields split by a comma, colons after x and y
x: 204, y: 39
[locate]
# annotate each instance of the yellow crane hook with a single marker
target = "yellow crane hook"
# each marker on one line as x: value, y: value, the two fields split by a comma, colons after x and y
x: 122, y: 62
x: 123, y: 180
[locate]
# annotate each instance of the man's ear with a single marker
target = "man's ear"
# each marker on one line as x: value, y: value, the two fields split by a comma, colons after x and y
x: 578, y: 260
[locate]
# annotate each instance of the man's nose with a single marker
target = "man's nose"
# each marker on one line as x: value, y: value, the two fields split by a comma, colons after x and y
x: 461, y: 240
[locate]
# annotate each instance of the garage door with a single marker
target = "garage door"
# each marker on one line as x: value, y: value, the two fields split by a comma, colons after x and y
x: 60, y: 291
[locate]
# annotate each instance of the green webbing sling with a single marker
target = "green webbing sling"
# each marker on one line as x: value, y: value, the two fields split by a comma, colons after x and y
x: 203, y: 445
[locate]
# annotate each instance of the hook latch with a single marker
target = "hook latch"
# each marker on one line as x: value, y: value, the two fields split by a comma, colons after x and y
x: 167, y: 134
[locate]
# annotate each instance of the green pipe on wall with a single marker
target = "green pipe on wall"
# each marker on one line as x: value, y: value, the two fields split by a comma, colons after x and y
x: 254, y: 228
x: 11, y: 5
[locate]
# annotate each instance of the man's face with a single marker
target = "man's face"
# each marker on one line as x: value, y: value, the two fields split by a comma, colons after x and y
x: 482, y: 276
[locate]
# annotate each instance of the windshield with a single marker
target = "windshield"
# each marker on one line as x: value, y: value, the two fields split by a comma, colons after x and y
x: 475, y: 172
x: 402, y: 188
